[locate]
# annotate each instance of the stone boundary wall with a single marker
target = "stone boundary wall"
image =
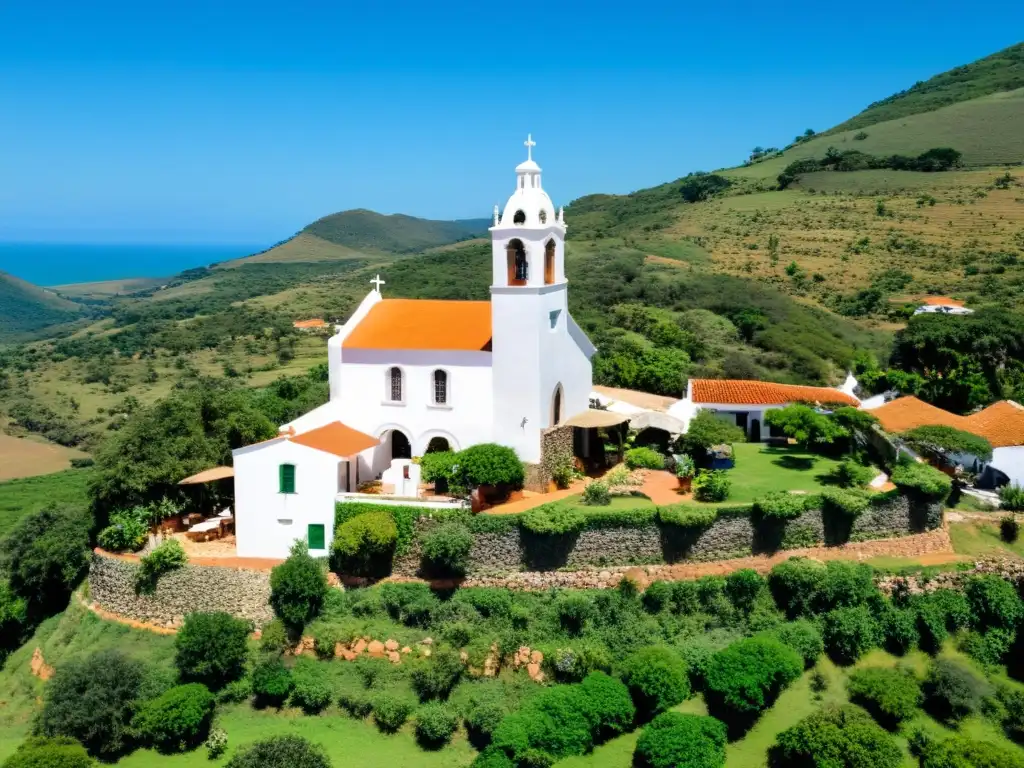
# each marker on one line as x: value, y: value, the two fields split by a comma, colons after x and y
x: 733, y: 534
x: 239, y: 591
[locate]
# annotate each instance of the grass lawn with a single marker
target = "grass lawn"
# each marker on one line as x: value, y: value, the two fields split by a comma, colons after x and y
x: 976, y: 538
x: 20, y: 497
x: 761, y: 468
x: 617, y: 502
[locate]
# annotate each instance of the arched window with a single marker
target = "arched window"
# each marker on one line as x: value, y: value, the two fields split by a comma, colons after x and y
x: 518, y: 270
x: 519, y: 218
x: 543, y: 216
x: 394, y: 384
x: 556, y: 407
x: 549, y: 262
x: 440, y: 387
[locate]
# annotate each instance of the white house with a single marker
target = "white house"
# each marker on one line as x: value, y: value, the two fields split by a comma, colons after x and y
x: 745, y: 402
x: 418, y: 375
x: 942, y: 305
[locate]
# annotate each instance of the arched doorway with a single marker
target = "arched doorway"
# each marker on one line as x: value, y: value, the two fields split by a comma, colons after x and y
x: 556, y: 406
x: 438, y: 444
x: 401, y: 448
x: 549, y: 262
x: 518, y: 269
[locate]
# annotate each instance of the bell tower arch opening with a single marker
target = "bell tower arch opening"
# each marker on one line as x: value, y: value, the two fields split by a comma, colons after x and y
x: 518, y: 268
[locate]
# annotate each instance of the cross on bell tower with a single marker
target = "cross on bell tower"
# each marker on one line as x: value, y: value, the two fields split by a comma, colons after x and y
x: 529, y: 144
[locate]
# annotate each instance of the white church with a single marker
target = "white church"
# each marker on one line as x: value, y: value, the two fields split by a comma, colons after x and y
x: 408, y: 376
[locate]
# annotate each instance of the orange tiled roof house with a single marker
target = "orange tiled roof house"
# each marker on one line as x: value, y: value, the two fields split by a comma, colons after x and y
x: 408, y: 376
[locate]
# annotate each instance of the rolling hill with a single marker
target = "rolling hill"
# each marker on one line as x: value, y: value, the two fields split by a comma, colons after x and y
x: 396, y: 233
x: 27, y: 310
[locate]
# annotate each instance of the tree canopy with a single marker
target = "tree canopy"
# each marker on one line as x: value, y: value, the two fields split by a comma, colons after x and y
x: 938, y: 439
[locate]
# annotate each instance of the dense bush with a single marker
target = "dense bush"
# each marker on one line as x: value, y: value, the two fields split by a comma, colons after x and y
x: 899, y: 629
x: 271, y: 682
x: 446, y: 548
x: 987, y: 648
x: 849, y: 474
x: 993, y: 601
x: 574, y: 610
x: 940, y: 440
x: 706, y: 430
x: 890, y: 695
x: 846, y: 584
x: 597, y: 494
x: 657, y: 679
x: 311, y: 690
x: 486, y: 708
x: 436, y: 676
x: 298, y: 587
x: 167, y: 557
x: 280, y: 752
x: 687, y: 515
x: 435, y: 724
x: 489, y: 464
x: 711, y: 485
x: 803, y: 637
x: 796, y: 584
x: 440, y: 465
x: 922, y: 480
x: 274, y: 637
x: 60, y: 752
x: 848, y: 632
x: 837, y: 737
x: 745, y: 678
x: 1009, y: 529
x: 128, y: 531
x: 743, y: 588
x: 363, y: 544
x: 700, y: 186
x: 178, y: 719
x: 410, y: 603
x: 676, y: 740
x: 553, y: 520
x: 840, y: 501
x: 952, y: 691
x: 609, y: 705
x: 211, y: 648
x: 780, y: 505
x: 1012, y: 701
x: 93, y: 700
x: 390, y: 711
x: 644, y: 458
x: 962, y: 752
x: 1011, y: 497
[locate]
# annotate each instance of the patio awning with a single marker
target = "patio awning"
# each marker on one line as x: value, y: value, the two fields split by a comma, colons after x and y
x: 208, y: 476
x: 592, y: 418
x: 657, y: 420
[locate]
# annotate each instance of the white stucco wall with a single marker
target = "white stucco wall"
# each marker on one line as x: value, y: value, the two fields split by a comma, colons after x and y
x: 686, y: 409
x: 267, y: 522
x: 1010, y: 460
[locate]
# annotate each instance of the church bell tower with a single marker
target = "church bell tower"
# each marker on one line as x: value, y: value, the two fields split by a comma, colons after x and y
x: 529, y: 313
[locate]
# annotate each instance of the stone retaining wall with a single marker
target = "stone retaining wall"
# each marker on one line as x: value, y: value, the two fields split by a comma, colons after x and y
x: 189, y: 589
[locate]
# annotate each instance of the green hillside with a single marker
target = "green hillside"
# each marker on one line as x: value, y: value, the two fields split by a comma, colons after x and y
x: 26, y: 309
x: 1002, y: 71
x: 394, y: 233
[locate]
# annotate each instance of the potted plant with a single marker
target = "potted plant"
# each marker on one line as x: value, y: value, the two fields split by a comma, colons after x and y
x: 685, y: 469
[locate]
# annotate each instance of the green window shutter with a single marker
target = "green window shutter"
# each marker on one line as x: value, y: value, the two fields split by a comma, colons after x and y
x: 315, y: 537
x: 287, y: 478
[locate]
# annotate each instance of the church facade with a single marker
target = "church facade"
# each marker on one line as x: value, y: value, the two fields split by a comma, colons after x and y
x: 410, y: 376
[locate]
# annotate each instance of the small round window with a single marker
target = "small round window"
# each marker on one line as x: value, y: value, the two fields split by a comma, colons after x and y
x: 543, y: 216
x: 519, y: 218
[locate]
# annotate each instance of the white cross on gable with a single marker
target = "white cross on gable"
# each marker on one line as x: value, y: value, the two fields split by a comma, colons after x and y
x: 529, y: 144
x: 377, y: 283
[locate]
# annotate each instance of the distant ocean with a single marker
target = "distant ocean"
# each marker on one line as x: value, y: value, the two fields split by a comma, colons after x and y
x: 61, y: 263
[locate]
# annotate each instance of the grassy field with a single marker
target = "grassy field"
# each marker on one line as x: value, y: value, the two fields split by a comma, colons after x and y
x: 30, y: 456
x: 761, y: 469
x: 977, y: 538
x: 20, y: 497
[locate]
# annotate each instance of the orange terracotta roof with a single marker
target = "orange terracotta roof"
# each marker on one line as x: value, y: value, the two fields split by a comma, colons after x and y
x: 1001, y: 423
x: 317, y: 323
x: 424, y: 324
x: 905, y: 413
x: 942, y: 301
x: 745, y: 392
x: 336, y: 438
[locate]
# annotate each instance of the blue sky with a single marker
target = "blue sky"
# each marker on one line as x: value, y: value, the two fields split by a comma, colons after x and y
x: 241, y: 122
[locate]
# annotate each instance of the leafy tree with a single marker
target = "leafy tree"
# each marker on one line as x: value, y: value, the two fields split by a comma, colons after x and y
x: 178, y: 719
x: 993, y: 601
x: 702, y: 186
x: 962, y: 752
x: 271, y: 682
x: 839, y: 737
x: 490, y: 464
x: 745, y: 678
x: 802, y: 636
x: 676, y: 740
x: 849, y: 632
x: 435, y: 724
x: 60, y: 752
x: 657, y: 679
x: 953, y: 691
x: 298, y: 587
x: 940, y: 440
x: 280, y: 752
x: 609, y: 705
x: 212, y: 648
x: 93, y: 700
x: 707, y: 430
x: 890, y: 695
x: 804, y: 424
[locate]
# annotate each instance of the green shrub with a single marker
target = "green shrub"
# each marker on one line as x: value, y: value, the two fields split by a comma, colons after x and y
x: 711, y: 485
x: 780, y: 506
x: 745, y: 678
x: 363, y: 544
x: 658, y: 596
x: 849, y: 632
x: 685, y: 466
x: 410, y: 603
x: 280, y: 752
x: 178, y: 719
x: 440, y: 465
x: 235, y: 692
x: 962, y: 752
x: 216, y: 744
x: 952, y: 606
x: 596, y: 494
x: 846, y: 584
x: 490, y: 464
x: 311, y: 690
x: 446, y: 548
x: 390, y: 711
x: 987, y: 648
x: 850, y: 504
x: 571, y: 662
x: 1012, y: 700
x: 837, y: 737
x: 743, y: 588
x: 436, y: 676
x: 212, y: 648
x: 1011, y: 498
x: 1009, y: 529
x: 657, y: 679
x: 803, y: 637
x: 358, y: 703
x: 271, y: 682
x: 890, y: 695
x: 797, y: 585
x: 553, y: 520
x: 574, y: 610
x: 952, y: 691
x: 61, y: 752
x: 493, y: 757
x: 993, y: 601
x: 937, y: 439
x: 609, y: 705
x: 922, y: 480
x: 126, y: 533
x: 850, y: 474
x: 274, y: 637
x: 435, y: 724
x: 676, y: 740
x: 687, y: 515
x: 490, y: 602
x: 706, y: 430
x: 168, y: 557
x: 931, y: 625
x: 644, y: 458
x: 298, y: 587
x: 899, y: 628
x: 484, y: 712
x: 92, y: 700
x: 564, y: 708
x: 326, y: 637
